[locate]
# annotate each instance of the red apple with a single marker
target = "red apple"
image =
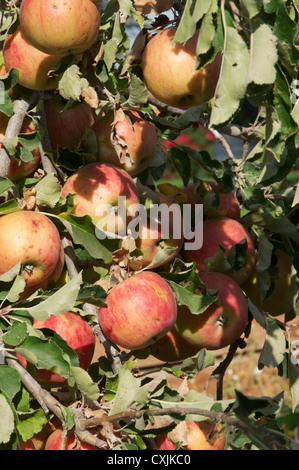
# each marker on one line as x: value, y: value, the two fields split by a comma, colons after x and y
x: 172, y: 347
x: 222, y: 322
x: 193, y: 435
x: 19, y: 169
x: 132, y: 135
x: 66, y: 127
x: 53, y: 277
x: 228, y: 206
x: 139, y: 310
x: 169, y: 71
x: 33, y: 239
x: 227, y: 232
x: 72, y: 442
x: 79, y: 336
x: 281, y: 300
x: 60, y: 26
x: 33, y: 65
x: 99, y: 184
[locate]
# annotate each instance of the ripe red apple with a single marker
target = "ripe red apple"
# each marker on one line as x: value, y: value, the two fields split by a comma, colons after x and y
x: 33, y: 239
x: 97, y: 184
x: 79, y: 336
x: 193, y: 435
x: 60, y: 26
x: 132, y: 135
x: 19, y: 169
x: 55, y: 276
x: 227, y: 232
x: 139, y: 310
x: 172, y: 347
x: 66, y: 127
x: 228, y: 206
x: 281, y: 300
x: 169, y: 71
x: 72, y: 442
x: 222, y: 322
x: 33, y: 65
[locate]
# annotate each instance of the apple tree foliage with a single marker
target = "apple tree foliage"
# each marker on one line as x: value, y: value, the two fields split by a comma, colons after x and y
x: 259, y: 42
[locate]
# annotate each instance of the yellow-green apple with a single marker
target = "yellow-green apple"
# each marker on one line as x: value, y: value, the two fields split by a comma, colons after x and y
x: 60, y: 26
x: 79, y: 336
x: 140, y: 310
x: 125, y: 140
x: 152, y: 6
x: 32, y: 239
x: 281, y: 300
x: 34, y: 66
x: 72, y: 442
x: 66, y: 126
x: 19, y: 169
x: 228, y: 204
x: 169, y: 71
x: 172, y: 347
x: 97, y: 187
x: 222, y: 322
x: 193, y: 435
x: 227, y: 232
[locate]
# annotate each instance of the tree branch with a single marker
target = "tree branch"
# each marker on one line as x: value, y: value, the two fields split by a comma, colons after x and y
x: 14, y: 126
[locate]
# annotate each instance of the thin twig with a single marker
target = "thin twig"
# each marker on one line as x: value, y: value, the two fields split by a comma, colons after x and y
x: 14, y: 126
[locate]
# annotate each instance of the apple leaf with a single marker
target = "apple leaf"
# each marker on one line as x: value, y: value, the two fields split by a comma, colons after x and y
x: 193, y: 12
x: 274, y: 347
x: 127, y: 390
x: 85, y: 384
x: 232, y: 81
x: 197, y: 303
x: 250, y: 8
x: 31, y: 423
x: 61, y: 301
x: 83, y: 232
x: 6, y: 419
x: 10, y: 381
x: 71, y: 84
x: 48, y: 190
x: 263, y: 54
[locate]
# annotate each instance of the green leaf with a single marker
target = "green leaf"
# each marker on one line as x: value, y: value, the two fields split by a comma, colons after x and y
x: 31, y: 423
x: 85, y: 384
x: 61, y: 301
x: 274, y: 347
x: 48, y: 190
x: 192, y: 13
x: 127, y: 390
x: 6, y: 420
x: 232, y: 81
x: 45, y: 353
x: 71, y: 84
x: 197, y: 303
x: 10, y: 381
x: 251, y: 8
x: 82, y: 231
x: 16, y: 334
x: 263, y: 55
